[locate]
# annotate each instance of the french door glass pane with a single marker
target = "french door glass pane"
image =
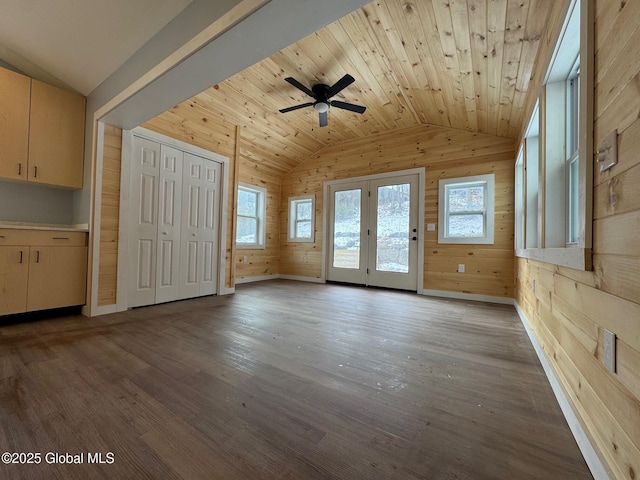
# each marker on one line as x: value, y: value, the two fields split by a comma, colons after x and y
x: 346, y: 229
x: 392, y: 242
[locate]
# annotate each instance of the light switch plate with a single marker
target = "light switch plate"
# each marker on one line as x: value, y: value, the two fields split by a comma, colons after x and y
x: 431, y: 227
x: 607, y: 154
x: 610, y: 350
x: 461, y: 268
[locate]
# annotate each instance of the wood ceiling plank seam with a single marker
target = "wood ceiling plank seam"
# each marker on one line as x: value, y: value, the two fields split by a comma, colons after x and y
x: 444, y: 20
x: 429, y: 51
x: 462, y: 36
x: 496, y: 24
x: 478, y: 31
x: 373, y: 58
x: 517, y: 12
x: 415, y: 86
x: 437, y: 54
x: 271, y: 149
x: 340, y: 30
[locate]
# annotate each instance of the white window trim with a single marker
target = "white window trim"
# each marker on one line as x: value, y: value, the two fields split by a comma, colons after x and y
x: 261, y: 219
x: 488, y: 238
x: 579, y: 254
x: 293, y: 219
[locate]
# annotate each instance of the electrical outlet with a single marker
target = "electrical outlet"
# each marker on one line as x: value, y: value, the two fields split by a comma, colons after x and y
x: 431, y: 227
x: 461, y: 268
x: 610, y: 350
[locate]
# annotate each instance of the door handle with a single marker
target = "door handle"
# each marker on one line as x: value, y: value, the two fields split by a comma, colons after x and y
x: 165, y: 233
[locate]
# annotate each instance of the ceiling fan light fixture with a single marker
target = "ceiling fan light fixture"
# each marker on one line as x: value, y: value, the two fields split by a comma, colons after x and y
x: 321, y: 107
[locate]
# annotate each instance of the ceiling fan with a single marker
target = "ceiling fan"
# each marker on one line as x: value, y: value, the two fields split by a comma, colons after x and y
x: 322, y: 94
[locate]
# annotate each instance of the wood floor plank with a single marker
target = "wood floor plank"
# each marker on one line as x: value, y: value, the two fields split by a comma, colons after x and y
x: 285, y: 380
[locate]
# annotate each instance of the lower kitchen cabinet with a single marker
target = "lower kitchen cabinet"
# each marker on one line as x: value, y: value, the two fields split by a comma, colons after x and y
x: 40, y: 270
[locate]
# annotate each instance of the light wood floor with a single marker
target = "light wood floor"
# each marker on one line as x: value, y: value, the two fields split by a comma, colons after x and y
x: 285, y: 380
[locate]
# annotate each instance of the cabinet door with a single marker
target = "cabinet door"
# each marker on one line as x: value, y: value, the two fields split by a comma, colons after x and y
x: 14, y: 272
x: 57, y: 277
x: 56, y: 137
x: 14, y: 124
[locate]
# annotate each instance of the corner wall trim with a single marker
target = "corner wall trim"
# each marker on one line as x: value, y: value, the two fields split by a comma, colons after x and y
x: 588, y: 452
x: 469, y: 296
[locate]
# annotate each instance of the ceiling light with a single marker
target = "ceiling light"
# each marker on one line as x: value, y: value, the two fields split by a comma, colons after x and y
x: 321, y: 107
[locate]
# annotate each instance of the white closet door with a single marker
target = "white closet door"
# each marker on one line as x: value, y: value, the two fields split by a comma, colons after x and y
x: 191, y: 249
x: 169, y: 197
x: 144, y: 221
x: 210, y: 222
x: 200, y: 218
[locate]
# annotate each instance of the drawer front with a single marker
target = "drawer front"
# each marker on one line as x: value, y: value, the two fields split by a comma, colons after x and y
x: 10, y: 236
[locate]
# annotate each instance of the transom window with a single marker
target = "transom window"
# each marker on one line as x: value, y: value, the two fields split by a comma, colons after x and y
x: 465, y: 213
x: 250, y: 231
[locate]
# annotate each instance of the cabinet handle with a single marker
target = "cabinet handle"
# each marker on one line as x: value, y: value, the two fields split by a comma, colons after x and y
x: 19, y: 168
x: 20, y: 261
x: 35, y: 172
x: 61, y: 238
x: 37, y: 256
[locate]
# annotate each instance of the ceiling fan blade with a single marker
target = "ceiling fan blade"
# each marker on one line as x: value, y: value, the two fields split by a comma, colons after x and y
x: 340, y: 85
x: 300, y: 86
x: 323, y: 119
x: 291, y: 109
x: 348, y: 106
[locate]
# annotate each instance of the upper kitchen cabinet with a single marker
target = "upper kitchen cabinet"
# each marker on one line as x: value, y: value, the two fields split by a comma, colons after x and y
x: 41, y: 132
x: 56, y: 136
x: 15, y: 91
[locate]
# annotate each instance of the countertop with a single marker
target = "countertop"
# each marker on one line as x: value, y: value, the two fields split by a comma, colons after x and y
x: 44, y: 226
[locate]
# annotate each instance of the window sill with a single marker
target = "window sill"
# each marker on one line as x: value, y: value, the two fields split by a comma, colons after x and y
x: 250, y: 247
x: 572, y: 257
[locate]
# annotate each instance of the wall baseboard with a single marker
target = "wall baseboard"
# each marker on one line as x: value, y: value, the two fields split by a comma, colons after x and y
x: 468, y: 296
x: 588, y: 452
x: 256, y: 279
x: 302, y: 279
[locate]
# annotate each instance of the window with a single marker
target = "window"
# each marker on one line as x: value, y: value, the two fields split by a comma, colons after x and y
x: 557, y: 153
x: 250, y: 230
x: 301, y: 218
x: 465, y: 212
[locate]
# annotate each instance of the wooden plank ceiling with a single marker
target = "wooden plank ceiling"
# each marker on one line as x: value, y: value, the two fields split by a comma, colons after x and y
x: 464, y: 64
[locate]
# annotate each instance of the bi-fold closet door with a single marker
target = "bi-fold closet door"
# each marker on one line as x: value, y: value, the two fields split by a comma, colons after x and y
x: 173, y: 227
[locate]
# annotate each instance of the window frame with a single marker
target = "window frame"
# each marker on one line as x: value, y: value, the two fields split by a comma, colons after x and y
x: 553, y: 212
x: 260, y: 217
x: 488, y: 181
x: 293, y: 218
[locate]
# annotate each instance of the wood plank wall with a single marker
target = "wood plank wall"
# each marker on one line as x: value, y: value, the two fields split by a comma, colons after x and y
x: 570, y: 309
x: 109, y: 224
x: 446, y: 153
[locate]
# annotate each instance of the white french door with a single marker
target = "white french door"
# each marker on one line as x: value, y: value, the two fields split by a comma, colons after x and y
x: 373, y: 232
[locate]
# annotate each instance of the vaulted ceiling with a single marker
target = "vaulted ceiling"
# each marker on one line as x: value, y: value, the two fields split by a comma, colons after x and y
x: 464, y: 64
